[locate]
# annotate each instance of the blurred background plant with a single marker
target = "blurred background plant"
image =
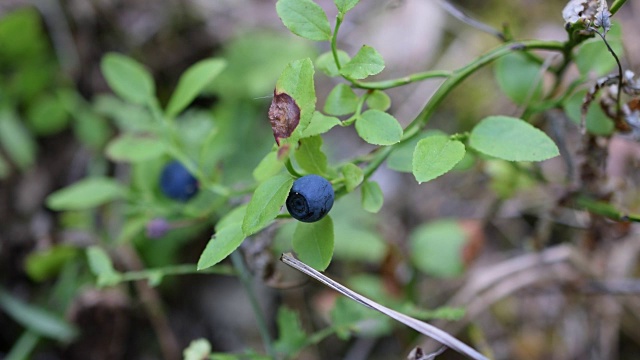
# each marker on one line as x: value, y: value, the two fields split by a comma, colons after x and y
x: 88, y: 271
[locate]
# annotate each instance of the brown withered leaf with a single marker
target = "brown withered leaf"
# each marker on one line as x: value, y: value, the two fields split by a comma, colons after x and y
x: 284, y: 115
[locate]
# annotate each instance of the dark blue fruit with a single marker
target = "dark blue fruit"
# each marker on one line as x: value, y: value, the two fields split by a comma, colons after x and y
x: 177, y: 183
x: 310, y: 198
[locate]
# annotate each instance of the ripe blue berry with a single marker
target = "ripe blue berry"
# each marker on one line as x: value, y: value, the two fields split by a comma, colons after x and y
x: 177, y: 183
x: 310, y: 198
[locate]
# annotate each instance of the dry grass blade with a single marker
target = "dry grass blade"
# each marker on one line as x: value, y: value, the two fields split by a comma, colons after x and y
x: 416, y: 324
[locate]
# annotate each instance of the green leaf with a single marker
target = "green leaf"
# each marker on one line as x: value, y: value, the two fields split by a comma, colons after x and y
x: 266, y: 202
x: 372, y: 197
x: 99, y: 261
x: 596, y: 121
x: 353, y: 176
x: 222, y: 243
x: 102, y: 267
x: 37, y: 319
x: 366, y: 62
x: 310, y: 156
x: 291, y: 337
x: 16, y: 140
x: 506, y: 179
x: 45, y: 264
x: 593, y: 55
x: 435, y: 156
x: 379, y: 100
x: 436, y: 248
x: 401, y: 158
x: 234, y: 216
x: 345, y: 5
x: 269, y: 166
x: 127, y: 117
x: 91, y: 129
x: 519, y: 78
x: 357, y: 237
x: 327, y: 64
x: 192, y: 82
x: 313, y: 242
x: 305, y: 19
x: 128, y: 78
x: 86, y: 194
x: 132, y: 148
x: 319, y: 124
x: 341, y: 101
x: 511, y: 139
x: 47, y: 116
x: 296, y: 80
x: 379, y: 128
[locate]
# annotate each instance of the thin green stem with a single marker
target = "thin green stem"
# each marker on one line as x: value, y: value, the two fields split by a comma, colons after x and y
x: 388, y: 84
x: 334, y: 40
x: 291, y: 169
x: 356, y: 115
x: 617, y: 4
x: 461, y: 74
x: 449, y: 84
x: 605, y: 209
x: 175, y: 270
x: 245, y: 279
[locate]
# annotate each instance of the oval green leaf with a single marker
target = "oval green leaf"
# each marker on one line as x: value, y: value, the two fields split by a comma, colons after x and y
x: 341, y: 101
x: 268, y: 166
x: 345, y: 5
x: 379, y: 100
x: 511, y: 139
x: 310, y: 156
x: 436, y: 248
x: 133, y: 149
x: 597, y: 121
x: 47, y: 115
x: 86, y: 194
x: 313, y: 242
x: 401, y: 158
x: 222, y: 243
x: 192, y: 82
x: 37, y: 319
x: 519, y: 78
x: 16, y: 140
x: 304, y: 18
x: 128, y: 78
x: 367, y: 62
x: 327, y: 64
x: 379, y: 128
x: 353, y: 176
x: 266, y: 203
x: 319, y: 124
x: 435, y: 156
x: 372, y: 196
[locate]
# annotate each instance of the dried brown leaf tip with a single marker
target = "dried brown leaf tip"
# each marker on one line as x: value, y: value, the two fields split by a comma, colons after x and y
x: 284, y: 115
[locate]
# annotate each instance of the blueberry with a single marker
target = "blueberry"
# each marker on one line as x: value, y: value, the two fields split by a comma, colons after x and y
x: 177, y: 183
x: 310, y: 198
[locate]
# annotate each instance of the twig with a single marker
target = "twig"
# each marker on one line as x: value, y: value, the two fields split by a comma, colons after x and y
x: 458, y: 14
x: 245, y: 279
x: 418, y: 325
x: 151, y: 301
